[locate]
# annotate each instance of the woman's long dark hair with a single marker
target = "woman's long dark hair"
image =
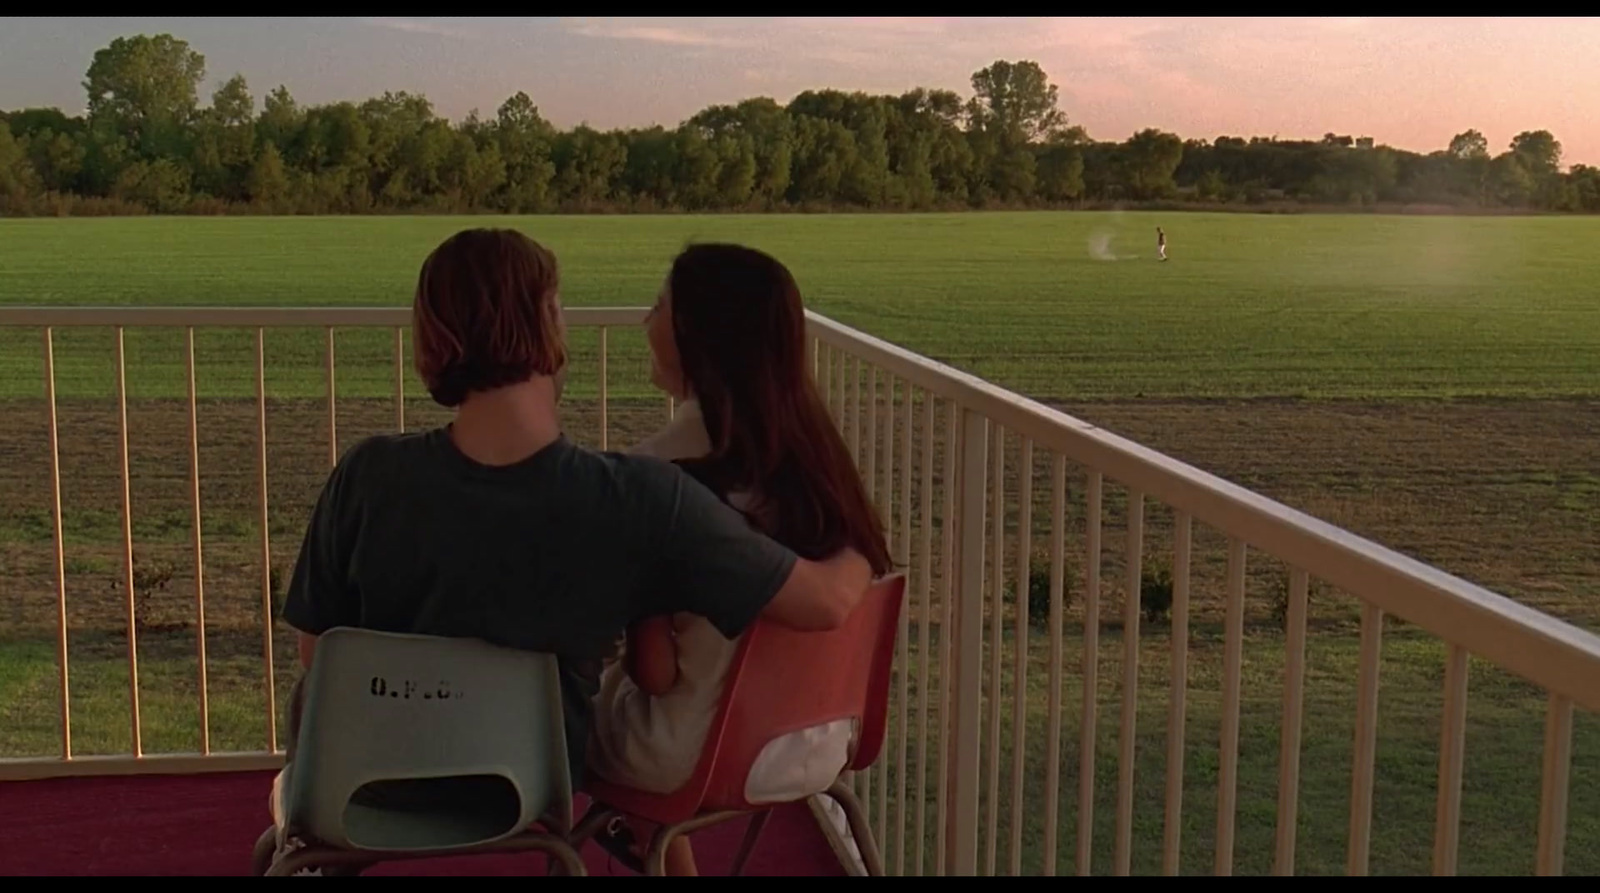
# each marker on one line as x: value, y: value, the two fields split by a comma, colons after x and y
x: 740, y: 331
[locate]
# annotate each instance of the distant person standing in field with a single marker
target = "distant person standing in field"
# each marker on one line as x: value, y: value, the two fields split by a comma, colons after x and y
x: 1161, y: 243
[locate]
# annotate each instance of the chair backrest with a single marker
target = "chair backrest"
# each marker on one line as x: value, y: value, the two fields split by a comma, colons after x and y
x: 784, y: 680
x: 389, y: 707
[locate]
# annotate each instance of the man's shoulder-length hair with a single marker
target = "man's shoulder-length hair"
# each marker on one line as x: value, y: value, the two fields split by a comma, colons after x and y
x: 486, y: 314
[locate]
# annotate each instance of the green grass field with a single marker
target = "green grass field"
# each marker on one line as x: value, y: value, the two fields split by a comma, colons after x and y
x: 1249, y: 306
x: 1326, y: 361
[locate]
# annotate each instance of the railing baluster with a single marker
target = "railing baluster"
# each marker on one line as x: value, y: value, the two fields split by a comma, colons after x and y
x: 127, y: 546
x: 1556, y: 781
x: 842, y: 389
x: 1091, y: 679
x: 605, y: 378
x: 997, y: 613
x: 962, y: 841
x: 1294, y: 675
x: 59, y: 542
x: 672, y: 407
x: 400, y: 380
x: 824, y: 375
x: 902, y: 658
x: 870, y: 460
x: 869, y: 467
x: 266, y: 538
x: 947, y: 625
x: 886, y: 509
x: 1123, y: 849
x: 925, y: 620
x: 333, y: 407
x: 1366, y: 742
x: 826, y: 378
x: 853, y: 396
x: 1178, y: 687
x: 1452, y: 753
x: 1019, y: 675
x: 1058, y: 583
x: 199, y: 560
x: 1232, y: 668
x: 841, y: 373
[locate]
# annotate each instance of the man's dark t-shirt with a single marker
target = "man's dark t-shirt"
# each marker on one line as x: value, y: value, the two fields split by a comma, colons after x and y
x: 558, y: 553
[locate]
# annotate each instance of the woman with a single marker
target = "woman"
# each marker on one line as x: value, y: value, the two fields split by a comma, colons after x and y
x: 727, y: 338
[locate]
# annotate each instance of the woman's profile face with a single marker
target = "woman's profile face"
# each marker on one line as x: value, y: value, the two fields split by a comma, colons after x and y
x: 666, y: 371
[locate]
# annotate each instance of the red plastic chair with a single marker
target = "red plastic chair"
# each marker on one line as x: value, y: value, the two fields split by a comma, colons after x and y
x: 780, y: 681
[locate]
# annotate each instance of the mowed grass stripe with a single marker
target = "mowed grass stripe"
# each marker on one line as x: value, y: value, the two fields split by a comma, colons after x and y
x: 1249, y: 305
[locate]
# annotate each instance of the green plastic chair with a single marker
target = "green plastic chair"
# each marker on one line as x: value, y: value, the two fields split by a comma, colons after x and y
x: 461, y: 742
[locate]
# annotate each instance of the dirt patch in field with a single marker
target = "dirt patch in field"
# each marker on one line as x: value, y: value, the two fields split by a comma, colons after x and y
x: 1502, y: 493
x: 1506, y: 494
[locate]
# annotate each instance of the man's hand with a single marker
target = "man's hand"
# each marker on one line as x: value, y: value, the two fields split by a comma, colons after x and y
x: 308, y: 648
x: 651, y: 660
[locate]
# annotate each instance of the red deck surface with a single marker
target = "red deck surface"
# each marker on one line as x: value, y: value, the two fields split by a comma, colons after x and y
x: 155, y: 825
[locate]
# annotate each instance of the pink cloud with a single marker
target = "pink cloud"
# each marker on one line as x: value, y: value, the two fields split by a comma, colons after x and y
x: 1410, y: 82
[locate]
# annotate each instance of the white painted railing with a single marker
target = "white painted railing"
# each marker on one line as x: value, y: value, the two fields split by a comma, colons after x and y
x: 932, y: 443
x: 258, y: 320
x: 1557, y: 657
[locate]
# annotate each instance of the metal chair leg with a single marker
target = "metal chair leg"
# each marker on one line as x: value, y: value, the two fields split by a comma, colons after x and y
x: 557, y: 850
x: 261, y: 856
x: 316, y: 857
x: 348, y: 863
x: 655, y: 861
x: 591, y: 823
x: 859, y: 827
x: 752, y: 832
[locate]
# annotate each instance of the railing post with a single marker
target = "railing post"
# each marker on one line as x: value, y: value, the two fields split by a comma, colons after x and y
x: 605, y: 425
x: 60, y: 565
x: 333, y: 406
x: 961, y: 819
x: 127, y: 546
x: 400, y: 380
x: 198, y: 537
x: 1557, y: 779
x: 266, y: 539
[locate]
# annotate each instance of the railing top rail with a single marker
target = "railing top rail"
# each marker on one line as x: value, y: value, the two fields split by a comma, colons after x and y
x: 1553, y: 654
x: 267, y: 317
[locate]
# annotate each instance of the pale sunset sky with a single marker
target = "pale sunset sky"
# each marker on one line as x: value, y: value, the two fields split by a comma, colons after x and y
x: 1407, y: 82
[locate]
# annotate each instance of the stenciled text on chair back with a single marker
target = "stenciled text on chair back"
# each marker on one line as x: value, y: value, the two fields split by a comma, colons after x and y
x: 394, y: 707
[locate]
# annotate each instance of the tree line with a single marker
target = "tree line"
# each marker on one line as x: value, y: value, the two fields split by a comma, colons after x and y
x: 146, y: 144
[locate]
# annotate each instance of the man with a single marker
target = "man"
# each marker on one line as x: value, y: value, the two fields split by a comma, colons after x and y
x: 497, y: 527
x: 1161, y: 243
